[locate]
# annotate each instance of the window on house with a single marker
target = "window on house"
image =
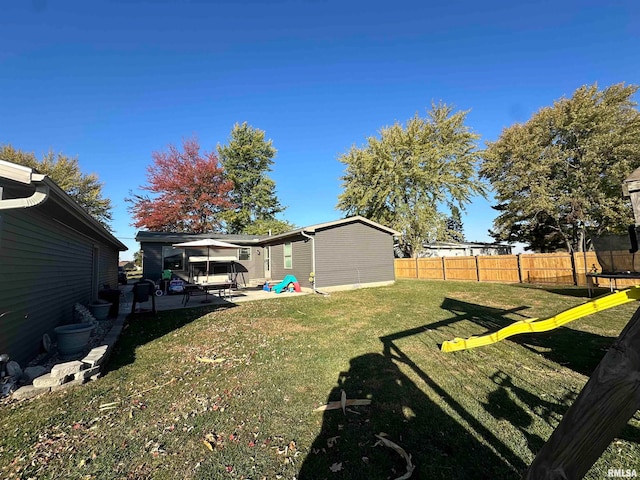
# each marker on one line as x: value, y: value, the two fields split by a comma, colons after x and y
x: 288, y: 256
x: 172, y: 258
x: 244, y: 253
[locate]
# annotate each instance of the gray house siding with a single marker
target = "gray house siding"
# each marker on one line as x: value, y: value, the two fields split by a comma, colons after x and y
x: 151, y: 260
x: 254, y: 267
x: 353, y: 254
x: 301, y: 260
x: 46, y: 269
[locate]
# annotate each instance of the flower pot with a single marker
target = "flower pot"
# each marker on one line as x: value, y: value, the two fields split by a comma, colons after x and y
x: 73, y: 338
x: 100, y: 310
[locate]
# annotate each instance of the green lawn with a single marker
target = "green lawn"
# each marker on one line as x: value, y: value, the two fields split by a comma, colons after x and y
x: 248, y: 412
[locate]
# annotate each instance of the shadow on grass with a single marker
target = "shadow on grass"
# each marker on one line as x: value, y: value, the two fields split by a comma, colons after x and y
x: 145, y: 327
x: 577, y: 292
x: 506, y: 401
x: 439, y: 445
x: 578, y: 350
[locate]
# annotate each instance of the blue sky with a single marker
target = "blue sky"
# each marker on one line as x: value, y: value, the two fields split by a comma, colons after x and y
x: 109, y: 82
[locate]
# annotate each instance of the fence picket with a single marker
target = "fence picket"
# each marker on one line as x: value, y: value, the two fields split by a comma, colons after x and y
x: 535, y: 268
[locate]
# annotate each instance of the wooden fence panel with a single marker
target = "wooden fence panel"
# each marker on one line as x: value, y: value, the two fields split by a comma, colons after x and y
x: 498, y: 268
x: 431, y: 268
x: 405, y: 268
x: 550, y: 268
x: 538, y: 268
x: 460, y: 268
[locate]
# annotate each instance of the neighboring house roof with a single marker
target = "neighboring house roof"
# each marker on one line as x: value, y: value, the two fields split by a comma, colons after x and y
x: 335, y: 223
x: 168, y: 237
x: 56, y: 200
x: 465, y: 245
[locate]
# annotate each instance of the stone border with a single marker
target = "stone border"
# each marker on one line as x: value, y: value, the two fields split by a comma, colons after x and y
x: 76, y: 372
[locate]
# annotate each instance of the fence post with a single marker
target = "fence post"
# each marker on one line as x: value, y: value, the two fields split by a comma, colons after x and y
x: 417, y: 269
x: 444, y: 269
x: 477, y: 269
x: 519, y: 269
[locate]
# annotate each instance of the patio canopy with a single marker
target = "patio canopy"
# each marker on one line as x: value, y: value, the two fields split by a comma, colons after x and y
x: 206, y: 242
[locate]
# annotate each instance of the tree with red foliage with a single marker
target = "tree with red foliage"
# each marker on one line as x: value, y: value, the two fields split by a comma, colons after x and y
x: 189, y: 192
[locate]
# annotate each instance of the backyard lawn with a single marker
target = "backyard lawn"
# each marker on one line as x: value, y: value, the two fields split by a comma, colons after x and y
x: 230, y: 392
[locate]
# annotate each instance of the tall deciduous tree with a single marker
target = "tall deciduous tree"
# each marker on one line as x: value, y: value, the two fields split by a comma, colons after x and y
x: 85, y: 189
x: 247, y: 159
x: 406, y: 175
x: 558, y: 176
x: 190, y: 193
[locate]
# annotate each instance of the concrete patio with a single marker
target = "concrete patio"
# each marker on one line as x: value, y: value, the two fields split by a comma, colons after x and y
x: 175, y: 301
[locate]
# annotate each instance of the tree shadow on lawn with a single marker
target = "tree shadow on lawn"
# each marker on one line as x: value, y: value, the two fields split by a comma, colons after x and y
x: 506, y: 401
x: 577, y: 292
x: 440, y: 447
x: 142, y: 328
x: 575, y: 349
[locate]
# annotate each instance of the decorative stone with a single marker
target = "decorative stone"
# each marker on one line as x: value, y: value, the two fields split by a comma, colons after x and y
x: 68, y: 384
x: 93, y: 359
x: 13, y: 369
x: 99, y: 350
x: 67, y: 368
x: 48, y: 380
x: 29, y: 391
x: 30, y: 373
x: 84, y: 374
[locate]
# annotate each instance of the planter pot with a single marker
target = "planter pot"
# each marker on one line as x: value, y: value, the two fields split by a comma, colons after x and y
x: 73, y: 338
x: 99, y: 310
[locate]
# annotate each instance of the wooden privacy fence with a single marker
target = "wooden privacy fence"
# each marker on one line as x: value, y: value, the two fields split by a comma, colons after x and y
x: 535, y: 268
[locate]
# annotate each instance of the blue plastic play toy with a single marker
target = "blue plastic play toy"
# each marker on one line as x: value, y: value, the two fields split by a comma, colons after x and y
x: 283, y: 284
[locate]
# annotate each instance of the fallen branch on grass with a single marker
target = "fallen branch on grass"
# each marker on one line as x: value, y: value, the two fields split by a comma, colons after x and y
x: 210, y: 360
x: 343, y: 403
x: 388, y: 443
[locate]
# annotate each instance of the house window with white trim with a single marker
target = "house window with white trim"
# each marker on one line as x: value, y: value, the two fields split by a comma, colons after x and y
x: 288, y: 256
x: 244, y: 253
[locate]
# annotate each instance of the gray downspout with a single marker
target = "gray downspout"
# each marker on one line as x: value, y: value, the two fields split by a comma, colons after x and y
x: 313, y: 259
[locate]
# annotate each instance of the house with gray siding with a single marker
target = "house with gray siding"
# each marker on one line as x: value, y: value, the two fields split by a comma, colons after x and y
x: 53, y: 254
x: 346, y: 253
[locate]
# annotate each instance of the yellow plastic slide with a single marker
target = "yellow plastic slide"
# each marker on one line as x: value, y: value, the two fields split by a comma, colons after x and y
x: 535, y: 325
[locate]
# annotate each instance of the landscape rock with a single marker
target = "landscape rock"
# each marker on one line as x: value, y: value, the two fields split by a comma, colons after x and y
x: 13, y: 369
x: 29, y: 391
x: 31, y: 373
x: 67, y: 368
x: 48, y: 380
